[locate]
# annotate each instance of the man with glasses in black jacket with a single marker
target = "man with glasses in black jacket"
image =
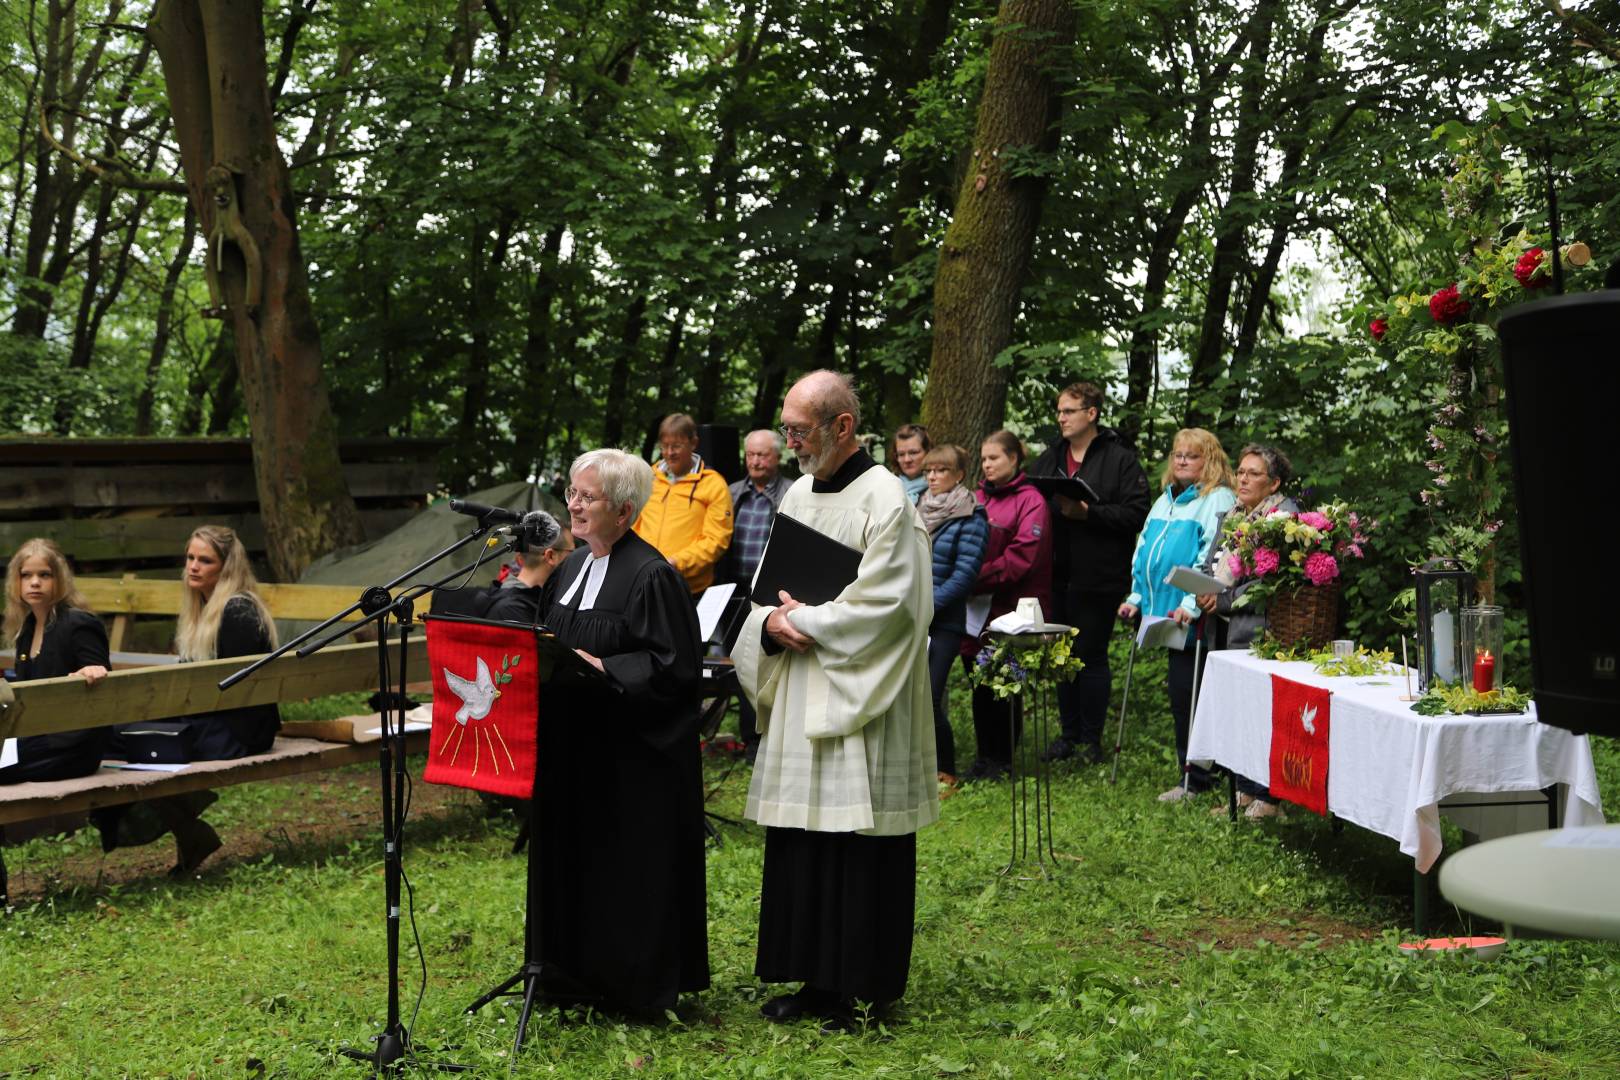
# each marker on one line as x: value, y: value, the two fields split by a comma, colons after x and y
x: 1093, y: 545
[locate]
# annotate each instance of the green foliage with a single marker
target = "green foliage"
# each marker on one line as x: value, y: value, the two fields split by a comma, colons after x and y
x: 1011, y: 665
x: 1442, y: 699
x: 1164, y: 942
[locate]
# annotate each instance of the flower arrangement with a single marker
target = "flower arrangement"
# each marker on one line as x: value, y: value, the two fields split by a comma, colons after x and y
x: 1282, y: 549
x: 1009, y: 664
x: 1447, y: 336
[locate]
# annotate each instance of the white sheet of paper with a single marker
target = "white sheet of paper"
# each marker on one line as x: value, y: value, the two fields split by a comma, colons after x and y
x: 8, y: 753
x: 978, y: 613
x: 711, y: 605
x: 1189, y: 580
x: 152, y: 766
x: 410, y: 726
x: 1161, y: 632
x: 1599, y: 836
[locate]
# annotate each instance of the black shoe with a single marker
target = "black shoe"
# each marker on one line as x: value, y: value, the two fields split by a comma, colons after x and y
x: 1090, y: 754
x: 847, y: 1016
x: 986, y: 769
x: 810, y: 1001
x: 1059, y: 749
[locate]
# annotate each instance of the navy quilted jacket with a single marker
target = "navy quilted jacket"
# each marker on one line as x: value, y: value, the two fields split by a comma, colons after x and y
x: 958, y: 552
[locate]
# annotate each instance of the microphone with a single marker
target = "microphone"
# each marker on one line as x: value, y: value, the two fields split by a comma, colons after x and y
x: 486, y: 515
x: 540, y: 528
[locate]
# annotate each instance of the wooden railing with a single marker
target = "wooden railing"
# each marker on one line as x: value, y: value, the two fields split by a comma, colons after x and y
x: 42, y: 706
x: 128, y: 596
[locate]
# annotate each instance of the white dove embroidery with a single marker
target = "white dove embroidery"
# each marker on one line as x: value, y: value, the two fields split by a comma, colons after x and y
x: 477, y: 697
x: 1307, y: 714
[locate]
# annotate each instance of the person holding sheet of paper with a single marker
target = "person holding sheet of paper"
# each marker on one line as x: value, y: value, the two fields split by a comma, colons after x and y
x: 1262, y: 473
x: 1092, y: 545
x: 1018, y: 563
x: 1181, y: 528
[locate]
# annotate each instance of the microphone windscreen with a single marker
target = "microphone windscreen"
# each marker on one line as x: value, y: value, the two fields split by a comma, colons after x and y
x: 541, y: 527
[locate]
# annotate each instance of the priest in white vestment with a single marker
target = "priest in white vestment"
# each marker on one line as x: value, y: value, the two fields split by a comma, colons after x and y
x: 845, y: 774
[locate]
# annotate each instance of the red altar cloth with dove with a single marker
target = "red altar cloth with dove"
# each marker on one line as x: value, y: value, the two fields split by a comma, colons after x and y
x: 486, y: 706
x: 1299, y: 743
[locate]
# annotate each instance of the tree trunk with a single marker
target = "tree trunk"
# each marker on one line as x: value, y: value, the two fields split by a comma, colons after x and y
x: 914, y: 178
x: 213, y: 59
x: 165, y: 320
x: 987, y: 247
x: 618, y: 393
x: 1232, y: 228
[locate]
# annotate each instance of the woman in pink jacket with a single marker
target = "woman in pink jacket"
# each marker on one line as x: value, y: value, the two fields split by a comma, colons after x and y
x: 1017, y: 563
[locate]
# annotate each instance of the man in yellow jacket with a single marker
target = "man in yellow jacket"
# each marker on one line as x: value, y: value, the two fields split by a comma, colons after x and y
x: 688, y: 518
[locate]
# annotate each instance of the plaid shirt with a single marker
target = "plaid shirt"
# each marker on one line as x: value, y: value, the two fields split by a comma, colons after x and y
x: 752, y: 512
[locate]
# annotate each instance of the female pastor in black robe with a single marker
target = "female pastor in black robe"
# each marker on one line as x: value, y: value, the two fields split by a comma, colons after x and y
x: 616, y: 875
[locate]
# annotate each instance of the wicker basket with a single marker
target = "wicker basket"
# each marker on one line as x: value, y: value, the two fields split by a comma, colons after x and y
x: 1308, y: 612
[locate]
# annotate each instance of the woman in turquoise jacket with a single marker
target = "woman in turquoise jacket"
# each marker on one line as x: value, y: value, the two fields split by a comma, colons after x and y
x: 1182, y: 526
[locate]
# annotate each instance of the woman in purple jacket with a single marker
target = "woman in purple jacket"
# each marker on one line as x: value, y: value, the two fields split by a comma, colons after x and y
x: 1017, y: 563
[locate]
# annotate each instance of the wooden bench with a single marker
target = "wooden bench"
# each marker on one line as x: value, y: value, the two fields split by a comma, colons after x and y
x: 44, y: 706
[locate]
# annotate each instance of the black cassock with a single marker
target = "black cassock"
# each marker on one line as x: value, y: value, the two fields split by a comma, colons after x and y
x: 616, y: 876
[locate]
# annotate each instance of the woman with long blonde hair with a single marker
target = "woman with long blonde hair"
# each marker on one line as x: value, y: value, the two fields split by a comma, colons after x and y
x: 222, y: 614
x: 1181, y: 528
x: 46, y: 622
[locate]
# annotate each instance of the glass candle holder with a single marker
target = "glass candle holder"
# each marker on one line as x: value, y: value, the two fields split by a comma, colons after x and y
x: 1482, y: 647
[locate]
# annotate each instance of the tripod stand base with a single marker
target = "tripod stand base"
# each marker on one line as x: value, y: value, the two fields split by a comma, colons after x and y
x: 528, y: 983
x: 390, y: 1050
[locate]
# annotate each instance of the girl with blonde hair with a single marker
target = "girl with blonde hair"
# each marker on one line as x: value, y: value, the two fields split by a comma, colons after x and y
x: 54, y: 635
x: 222, y: 614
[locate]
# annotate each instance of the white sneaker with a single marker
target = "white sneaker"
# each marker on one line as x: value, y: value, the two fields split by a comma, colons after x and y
x: 1175, y: 794
x: 1262, y: 809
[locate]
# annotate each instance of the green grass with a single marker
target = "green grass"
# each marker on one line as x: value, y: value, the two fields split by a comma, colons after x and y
x: 1142, y: 956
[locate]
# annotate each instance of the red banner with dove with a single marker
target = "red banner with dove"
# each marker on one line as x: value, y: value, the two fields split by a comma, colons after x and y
x: 1299, y: 743
x: 486, y: 706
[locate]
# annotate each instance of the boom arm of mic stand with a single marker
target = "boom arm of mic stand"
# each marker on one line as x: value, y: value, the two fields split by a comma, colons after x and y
x: 410, y: 592
x: 237, y: 676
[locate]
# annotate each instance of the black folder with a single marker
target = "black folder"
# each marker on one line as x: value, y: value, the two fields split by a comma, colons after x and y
x: 1071, y: 486
x: 812, y: 567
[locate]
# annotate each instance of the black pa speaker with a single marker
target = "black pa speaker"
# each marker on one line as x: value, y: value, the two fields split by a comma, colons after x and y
x: 721, y: 450
x: 1561, y: 357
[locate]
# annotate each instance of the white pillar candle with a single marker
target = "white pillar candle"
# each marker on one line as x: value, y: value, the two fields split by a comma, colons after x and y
x: 1443, y: 634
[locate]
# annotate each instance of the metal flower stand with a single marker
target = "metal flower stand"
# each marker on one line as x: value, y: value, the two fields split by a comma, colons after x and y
x: 1030, y: 774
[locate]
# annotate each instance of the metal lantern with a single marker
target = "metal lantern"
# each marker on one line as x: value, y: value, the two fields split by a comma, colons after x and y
x: 1444, y: 588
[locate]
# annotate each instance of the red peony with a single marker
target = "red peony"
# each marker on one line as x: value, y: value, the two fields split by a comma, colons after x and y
x: 1378, y: 328
x: 1525, y: 269
x: 1446, y: 306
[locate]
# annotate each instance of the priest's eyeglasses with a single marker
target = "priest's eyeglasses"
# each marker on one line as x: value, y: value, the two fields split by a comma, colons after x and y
x: 799, y: 434
x: 585, y: 498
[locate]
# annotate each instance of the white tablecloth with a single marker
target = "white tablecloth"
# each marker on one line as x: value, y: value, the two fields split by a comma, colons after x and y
x: 1388, y: 767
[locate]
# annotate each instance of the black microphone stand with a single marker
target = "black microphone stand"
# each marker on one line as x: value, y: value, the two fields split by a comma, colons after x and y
x: 378, y: 603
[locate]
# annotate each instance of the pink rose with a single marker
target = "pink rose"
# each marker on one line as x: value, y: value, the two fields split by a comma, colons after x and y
x: 1266, y: 562
x: 1315, y: 520
x: 1320, y: 568
x: 1235, y: 566
x: 1378, y: 328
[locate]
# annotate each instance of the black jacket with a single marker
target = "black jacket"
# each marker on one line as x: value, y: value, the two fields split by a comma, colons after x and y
x: 73, y: 640
x: 1094, y: 555
x: 251, y: 729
